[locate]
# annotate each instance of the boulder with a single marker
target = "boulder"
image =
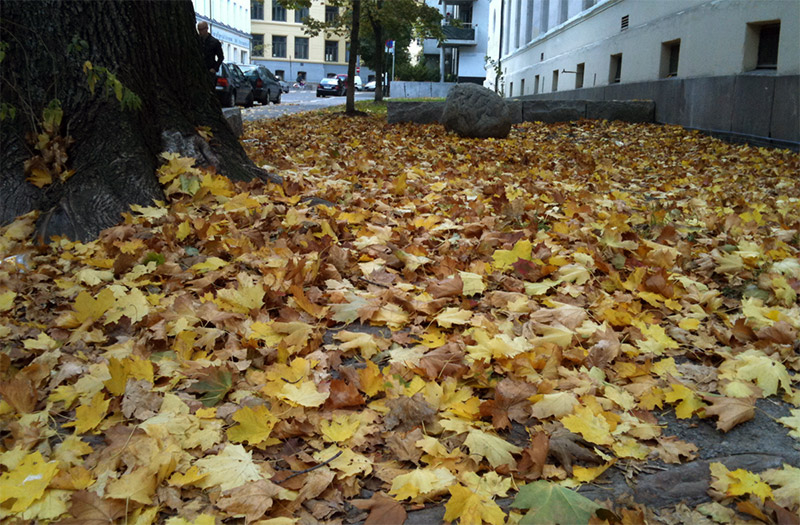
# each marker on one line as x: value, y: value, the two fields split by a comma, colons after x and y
x: 476, y: 112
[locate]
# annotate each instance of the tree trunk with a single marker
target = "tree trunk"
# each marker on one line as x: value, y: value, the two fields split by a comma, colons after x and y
x: 152, y: 48
x: 377, y: 30
x: 350, y: 107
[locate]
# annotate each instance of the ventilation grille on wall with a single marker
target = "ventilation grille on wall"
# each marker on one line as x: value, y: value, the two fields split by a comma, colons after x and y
x: 624, y: 23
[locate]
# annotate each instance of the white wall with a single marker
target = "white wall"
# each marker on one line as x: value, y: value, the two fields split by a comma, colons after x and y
x: 713, y: 39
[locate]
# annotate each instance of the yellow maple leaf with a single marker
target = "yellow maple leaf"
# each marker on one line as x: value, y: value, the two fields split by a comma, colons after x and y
x: 40, y: 177
x: 362, y: 341
x: 792, y: 422
x: 42, y: 342
x: 121, y: 370
x: 767, y: 373
x: 303, y: 394
x: 739, y: 482
x: 495, y: 449
x: 372, y: 379
x: 421, y: 482
x: 690, y: 402
x: 254, y: 426
x: 249, y: 295
x: 88, y: 416
x: 210, y: 264
x: 490, y: 484
x: 787, y: 479
x: 472, y: 283
x: 344, y: 460
x: 340, y: 427
x: 657, y: 340
x: 231, y: 468
x: 138, y: 485
x: 7, y: 300
x: 689, y: 323
x: 472, y: 508
x: 594, y: 428
x: 26, y: 483
x: 451, y: 316
x: 190, y: 477
x: 88, y: 307
x: 557, y: 405
x: 496, y: 347
x: 504, y: 259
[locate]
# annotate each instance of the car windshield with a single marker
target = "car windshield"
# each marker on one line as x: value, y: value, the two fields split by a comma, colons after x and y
x: 329, y: 81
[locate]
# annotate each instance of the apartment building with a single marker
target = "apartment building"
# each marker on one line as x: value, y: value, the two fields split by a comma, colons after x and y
x: 229, y: 22
x: 461, y: 57
x: 279, y: 43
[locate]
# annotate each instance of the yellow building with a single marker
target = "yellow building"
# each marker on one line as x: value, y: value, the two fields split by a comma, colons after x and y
x: 279, y: 43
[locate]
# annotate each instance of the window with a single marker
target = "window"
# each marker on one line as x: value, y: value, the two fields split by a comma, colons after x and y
x: 623, y: 24
x: 278, y: 12
x: 331, y: 13
x: 587, y: 4
x: 331, y: 51
x: 279, y: 74
x: 301, y: 76
x: 579, y: 75
x: 258, y: 45
x: 545, y: 16
x: 535, y: 84
x: 278, y: 46
x: 256, y: 9
x: 768, y: 46
x: 555, y: 80
x: 615, y: 69
x: 670, y: 51
x: 522, y: 87
x: 244, y: 57
x: 300, y: 15
x: 301, y: 47
x: 511, y: 89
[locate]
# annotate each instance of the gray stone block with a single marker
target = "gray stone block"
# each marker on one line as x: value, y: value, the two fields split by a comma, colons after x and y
x: 515, y: 111
x: 234, y: 118
x: 622, y: 110
x: 476, y: 112
x: 752, y: 104
x: 417, y: 112
x: 709, y: 103
x: 786, y: 109
x: 668, y: 96
x: 550, y: 111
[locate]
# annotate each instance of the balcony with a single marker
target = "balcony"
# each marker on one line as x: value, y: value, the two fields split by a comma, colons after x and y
x: 459, y: 35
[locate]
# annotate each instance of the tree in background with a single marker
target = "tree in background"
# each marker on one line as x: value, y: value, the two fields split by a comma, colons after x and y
x: 398, y: 20
x: 92, y: 93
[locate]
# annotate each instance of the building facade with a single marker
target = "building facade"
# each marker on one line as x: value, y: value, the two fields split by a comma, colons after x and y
x: 546, y: 46
x: 461, y: 57
x: 280, y: 44
x: 229, y: 22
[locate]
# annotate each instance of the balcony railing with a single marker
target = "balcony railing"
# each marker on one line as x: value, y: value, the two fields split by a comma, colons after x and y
x: 462, y: 33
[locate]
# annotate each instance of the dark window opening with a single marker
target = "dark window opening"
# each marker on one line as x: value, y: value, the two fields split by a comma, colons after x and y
x: 555, y: 80
x: 331, y: 51
x: 301, y: 47
x: 256, y: 10
x: 278, y: 46
x: 615, y: 69
x: 331, y: 13
x: 624, y: 23
x: 258, y: 45
x: 670, y: 55
x: 300, y: 15
x: 579, y: 75
x: 768, y: 38
x: 535, y: 84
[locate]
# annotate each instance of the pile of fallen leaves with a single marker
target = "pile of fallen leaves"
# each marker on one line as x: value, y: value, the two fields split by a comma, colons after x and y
x: 410, y: 318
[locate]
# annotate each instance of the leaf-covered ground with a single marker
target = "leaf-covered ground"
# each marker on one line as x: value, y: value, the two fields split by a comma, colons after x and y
x: 446, y: 321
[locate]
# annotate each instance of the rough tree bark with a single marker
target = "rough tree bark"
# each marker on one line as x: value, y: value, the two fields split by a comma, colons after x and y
x: 377, y: 30
x: 153, y: 50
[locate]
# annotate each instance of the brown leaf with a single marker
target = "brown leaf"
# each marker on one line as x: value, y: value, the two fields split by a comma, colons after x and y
x: 670, y: 449
x: 730, y: 410
x: 534, y: 457
x: 781, y: 333
x: 20, y: 393
x: 253, y: 499
x: 139, y: 401
x: 445, y: 361
x: 405, y: 413
x: 567, y: 447
x: 383, y: 510
x: 403, y: 445
x: 343, y: 394
x: 450, y: 287
x: 87, y: 508
x: 510, y: 403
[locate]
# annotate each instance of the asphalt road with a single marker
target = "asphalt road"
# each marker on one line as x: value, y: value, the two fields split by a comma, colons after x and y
x: 297, y: 101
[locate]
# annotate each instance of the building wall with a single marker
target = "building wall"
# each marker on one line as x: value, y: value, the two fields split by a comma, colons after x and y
x: 717, y: 38
x: 315, y: 66
x: 229, y: 22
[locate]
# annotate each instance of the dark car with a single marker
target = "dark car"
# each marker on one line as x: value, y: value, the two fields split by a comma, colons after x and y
x: 331, y: 86
x: 232, y: 87
x: 266, y: 87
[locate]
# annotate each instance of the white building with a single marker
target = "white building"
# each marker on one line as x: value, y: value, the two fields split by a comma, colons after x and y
x: 229, y: 22
x: 555, y: 45
x: 461, y: 57
x: 728, y: 66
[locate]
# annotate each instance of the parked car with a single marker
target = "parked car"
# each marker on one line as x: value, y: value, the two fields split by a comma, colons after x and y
x: 369, y: 86
x: 266, y: 87
x: 356, y: 79
x: 284, y: 85
x: 232, y: 87
x: 331, y: 86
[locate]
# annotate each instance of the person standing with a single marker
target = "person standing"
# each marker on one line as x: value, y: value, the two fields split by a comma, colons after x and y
x: 211, y: 50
